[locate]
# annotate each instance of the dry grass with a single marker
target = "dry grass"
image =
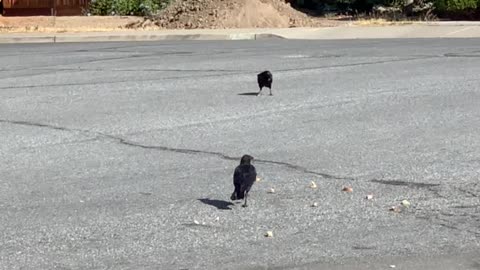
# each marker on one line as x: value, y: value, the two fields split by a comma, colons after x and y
x: 47, y: 24
x: 36, y: 29
x: 380, y: 22
x: 77, y: 24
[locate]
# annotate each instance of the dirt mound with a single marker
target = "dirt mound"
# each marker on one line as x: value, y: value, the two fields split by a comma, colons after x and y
x: 191, y: 14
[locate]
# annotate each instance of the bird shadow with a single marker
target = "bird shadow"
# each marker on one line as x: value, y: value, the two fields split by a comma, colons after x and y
x: 248, y: 94
x: 219, y: 204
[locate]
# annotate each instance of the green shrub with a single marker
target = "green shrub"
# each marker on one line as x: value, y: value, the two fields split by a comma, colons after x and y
x: 455, y: 6
x: 341, y: 6
x: 126, y: 7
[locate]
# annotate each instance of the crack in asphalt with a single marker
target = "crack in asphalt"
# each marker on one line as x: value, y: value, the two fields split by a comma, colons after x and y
x: 302, y: 169
x: 141, y: 69
x: 446, y: 223
x: 43, y: 71
x: 468, y: 192
x: 463, y: 55
x: 404, y: 183
x: 219, y: 74
x: 428, y: 186
x: 119, y: 81
x: 95, y: 60
x: 171, y: 149
x: 361, y: 63
x: 226, y: 157
x: 28, y: 123
x: 466, y: 206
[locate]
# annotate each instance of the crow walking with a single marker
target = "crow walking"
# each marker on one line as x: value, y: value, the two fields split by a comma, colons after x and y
x: 265, y: 79
x: 243, y: 179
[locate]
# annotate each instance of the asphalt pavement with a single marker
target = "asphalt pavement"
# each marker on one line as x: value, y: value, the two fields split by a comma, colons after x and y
x: 121, y: 155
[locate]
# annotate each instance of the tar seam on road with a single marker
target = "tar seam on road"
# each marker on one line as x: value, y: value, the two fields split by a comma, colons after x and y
x: 215, y: 75
x: 171, y: 149
x: 403, y: 183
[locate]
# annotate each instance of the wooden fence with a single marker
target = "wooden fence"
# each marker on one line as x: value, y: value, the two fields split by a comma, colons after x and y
x: 43, y: 7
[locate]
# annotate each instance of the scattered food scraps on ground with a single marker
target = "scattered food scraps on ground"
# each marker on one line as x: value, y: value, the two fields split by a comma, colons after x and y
x: 395, y: 209
x: 269, y: 234
x: 347, y: 189
x: 406, y: 203
x: 369, y: 197
x: 271, y: 190
x: 313, y: 184
x: 315, y: 204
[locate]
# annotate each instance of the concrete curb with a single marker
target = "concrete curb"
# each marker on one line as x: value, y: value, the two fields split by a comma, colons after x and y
x: 140, y: 37
x: 110, y: 38
x: 113, y: 37
x: 326, y: 33
x: 268, y: 36
x: 33, y: 39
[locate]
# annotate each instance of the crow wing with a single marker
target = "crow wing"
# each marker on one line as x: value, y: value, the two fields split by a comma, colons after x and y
x: 243, y: 179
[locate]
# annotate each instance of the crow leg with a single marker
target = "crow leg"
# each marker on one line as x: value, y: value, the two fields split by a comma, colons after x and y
x: 259, y: 91
x: 234, y: 196
x: 270, y: 91
x: 246, y: 196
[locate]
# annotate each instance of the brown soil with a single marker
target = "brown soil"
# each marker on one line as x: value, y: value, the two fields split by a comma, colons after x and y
x: 181, y: 14
x: 190, y: 14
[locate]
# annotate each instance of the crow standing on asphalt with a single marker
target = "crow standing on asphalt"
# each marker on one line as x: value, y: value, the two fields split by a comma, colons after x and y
x: 265, y: 79
x: 243, y: 178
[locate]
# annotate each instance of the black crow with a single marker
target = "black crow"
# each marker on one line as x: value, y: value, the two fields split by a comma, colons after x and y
x: 265, y: 79
x: 243, y: 178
